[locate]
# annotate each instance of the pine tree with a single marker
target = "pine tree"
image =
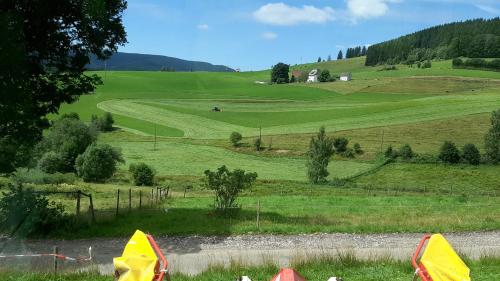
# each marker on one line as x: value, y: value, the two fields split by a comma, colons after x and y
x: 329, y: 58
x: 340, y: 56
x: 319, y: 59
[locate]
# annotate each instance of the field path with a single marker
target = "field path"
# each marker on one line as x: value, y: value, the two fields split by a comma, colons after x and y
x: 193, y: 254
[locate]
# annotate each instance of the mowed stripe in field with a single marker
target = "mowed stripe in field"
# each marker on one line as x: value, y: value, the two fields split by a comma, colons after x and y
x: 196, y: 124
x: 173, y: 158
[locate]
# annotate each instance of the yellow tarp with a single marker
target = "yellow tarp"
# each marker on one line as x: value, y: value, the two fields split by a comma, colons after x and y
x: 442, y: 262
x: 138, y: 260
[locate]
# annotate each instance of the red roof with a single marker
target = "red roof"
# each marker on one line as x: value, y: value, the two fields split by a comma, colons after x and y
x: 288, y: 274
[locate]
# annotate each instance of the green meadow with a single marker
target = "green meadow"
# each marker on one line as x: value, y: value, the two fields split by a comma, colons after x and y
x: 165, y: 119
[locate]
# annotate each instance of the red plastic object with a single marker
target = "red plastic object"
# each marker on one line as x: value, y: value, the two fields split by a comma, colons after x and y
x: 288, y: 274
x: 420, y: 268
x: 160, y: 273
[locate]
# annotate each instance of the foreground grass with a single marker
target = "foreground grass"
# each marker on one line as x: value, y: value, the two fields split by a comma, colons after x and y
x: 303, y: 214
x: 311, y: 268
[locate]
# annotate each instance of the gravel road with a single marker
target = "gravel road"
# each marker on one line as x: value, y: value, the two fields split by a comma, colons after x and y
x: 193, y: 254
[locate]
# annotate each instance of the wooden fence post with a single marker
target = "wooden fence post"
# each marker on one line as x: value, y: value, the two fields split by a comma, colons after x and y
x: 152, y: 197
x: 168, y: 189
x: 92, y: 208
x: 117, y: 201
x: 185, y: 188
x: 130, y: 199
x: 157, y: 194
x: 56, y: 252
x: 140, y: 199
x: 78, y: 195
x: 258, y: 214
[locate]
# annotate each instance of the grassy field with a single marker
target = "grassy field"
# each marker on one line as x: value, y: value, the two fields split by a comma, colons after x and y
x: 314, y: 269
x: 421, y: 107
x: 180, y: 103
x: 414, y: 199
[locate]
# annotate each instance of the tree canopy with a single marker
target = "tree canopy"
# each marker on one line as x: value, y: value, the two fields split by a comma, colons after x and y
x: 473, y: 38
x: 45, y: 48
x: 279, y: 73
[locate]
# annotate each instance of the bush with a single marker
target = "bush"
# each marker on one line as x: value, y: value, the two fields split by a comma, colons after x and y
x: 390, y: 153
x: 348, y: 153
x: 471, y: 154
x: 235, y: 138
x: 406, y: 152
x: 340, y: 144
x: 98, y: 162
x: 70, y: 115
x: 103, y: 124
x: 324, y: 76
x: 457, y: 62
x: 427, y: 64
x: 35, y: 176
x: 320, y: 150
x: 492, y: 139
x: 67, y: 138
x: 51, y: 162
x: 142, y: 174
x: 258, y: 144
x: 449, y: 153
x: 227, y: 185
x: 25, y: 213
x: 357, y: 149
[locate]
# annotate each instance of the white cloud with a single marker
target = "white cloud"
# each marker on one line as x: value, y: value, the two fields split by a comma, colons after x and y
x: 365, y: 9
x: 489, y: 9
x: 269, y: 35
x: 282, y: 14
x: 203, y: 27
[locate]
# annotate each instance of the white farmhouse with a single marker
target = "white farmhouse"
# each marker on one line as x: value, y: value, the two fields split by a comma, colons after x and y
x: 346, y: 77
x: 313, y: 76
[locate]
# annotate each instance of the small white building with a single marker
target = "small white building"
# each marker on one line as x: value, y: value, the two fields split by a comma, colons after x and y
x: 313, y: 76
x: 346, y: 77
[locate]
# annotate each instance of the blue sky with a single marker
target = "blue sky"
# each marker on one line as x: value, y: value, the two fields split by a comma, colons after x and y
x: 254, y: 35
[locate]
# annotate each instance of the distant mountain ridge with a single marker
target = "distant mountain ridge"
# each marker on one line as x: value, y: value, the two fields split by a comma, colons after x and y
x: 144, y: 62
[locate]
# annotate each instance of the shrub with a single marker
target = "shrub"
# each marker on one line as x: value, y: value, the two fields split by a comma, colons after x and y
x: 235, y: 138
x: 492, y: 139
x: 357, y: 149
x: 142, y: 174
x: 324, y: 76
x: 103, y: 124
x: 340, y: 144
x: 427, y: 64
x: 98, y: 162
x: 70, y: 115
x: 51, y: 162
x: 24, y: 213
x: 457, y: 62
x: 390, y: 153
x: 227, y: 185
x: 406, y: 152
x: 348, y: 153
x: 258, y: 144
x: 320, y: 150
x: 36, y: 176
x: 68, y: 138
x: 471, y: 154
x: 449, y: 153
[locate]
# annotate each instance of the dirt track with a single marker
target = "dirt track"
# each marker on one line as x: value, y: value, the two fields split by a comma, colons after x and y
x: 193, y: 254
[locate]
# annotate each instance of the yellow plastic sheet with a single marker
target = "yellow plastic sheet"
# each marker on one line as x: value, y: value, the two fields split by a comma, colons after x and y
x: 442, y: 262
x: 138, y: 260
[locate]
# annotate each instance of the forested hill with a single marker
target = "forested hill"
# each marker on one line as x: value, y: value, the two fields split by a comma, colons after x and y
x: 141, y: 62
x: 478, y: 38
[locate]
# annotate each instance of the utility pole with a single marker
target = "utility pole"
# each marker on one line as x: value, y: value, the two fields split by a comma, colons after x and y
x: 155, y: 139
